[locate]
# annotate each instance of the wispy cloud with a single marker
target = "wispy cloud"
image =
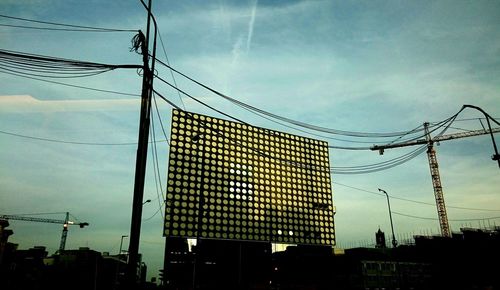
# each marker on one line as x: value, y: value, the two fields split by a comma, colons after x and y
x: 238, y: 50
x: 29, y: 104
x: 251, y: 24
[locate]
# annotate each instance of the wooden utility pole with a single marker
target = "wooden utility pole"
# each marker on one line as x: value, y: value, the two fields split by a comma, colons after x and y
x: 141, y: 158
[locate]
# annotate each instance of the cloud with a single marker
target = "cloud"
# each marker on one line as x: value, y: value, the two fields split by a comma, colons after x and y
x: 29, y: 104
x: 251, y: 24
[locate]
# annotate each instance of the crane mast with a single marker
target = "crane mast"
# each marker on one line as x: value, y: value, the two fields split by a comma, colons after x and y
x: 64, y: 235
x: 436, y: 184
x: 434, y: 167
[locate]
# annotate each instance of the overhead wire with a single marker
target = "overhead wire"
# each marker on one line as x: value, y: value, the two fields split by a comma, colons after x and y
x: 155, y: 154
x: 238, y: 120
x: 198, y: 101
x: 166, y: 100
x: 401, y: 159
x: 288, y: 120
x: 338, y: 170
x: 243, y: 122
x: 261, y: 113
x: 71, y: 72
x: 59, y: 75
x: 451, y: 220
x: 159, y: 118
x: 356, y: 134
x: 371, y: 167
x: 470, y: 119
x: 80, y: 27
x: 294, y: 163
x: 85, y: 143
x: 35, y: 65
x: 72, y: 85
x: 363, y: 169
x: 156, y: 168
x: 412, y: 200
x: 70, y: 142
x: 58, y: 29
x: 171, y: 72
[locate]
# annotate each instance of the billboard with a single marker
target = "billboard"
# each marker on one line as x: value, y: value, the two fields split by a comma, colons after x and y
x: 228, y: 180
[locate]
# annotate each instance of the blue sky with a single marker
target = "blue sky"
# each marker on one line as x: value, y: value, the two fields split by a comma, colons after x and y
x: 370, y: 66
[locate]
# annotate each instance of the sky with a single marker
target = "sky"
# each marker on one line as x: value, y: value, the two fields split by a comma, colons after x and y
x: 364, y: 66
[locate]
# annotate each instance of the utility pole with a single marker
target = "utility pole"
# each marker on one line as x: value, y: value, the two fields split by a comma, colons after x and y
x: 141, y: 158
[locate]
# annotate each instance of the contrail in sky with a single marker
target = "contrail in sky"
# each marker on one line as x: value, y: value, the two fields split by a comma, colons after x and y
x: 250, y: 25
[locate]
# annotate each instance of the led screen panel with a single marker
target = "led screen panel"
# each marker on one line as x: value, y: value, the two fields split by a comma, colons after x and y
x: 228, y: 180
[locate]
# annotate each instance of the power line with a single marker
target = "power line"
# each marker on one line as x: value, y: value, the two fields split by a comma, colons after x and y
x: 288, y: 120
x: 381, y: 194
x: 294, y: 128
x: 470, y: 119
x: 453, y: 220
x: 60, y: 75
x: 362, y: 169
x: 159, y: 119
x: 56, y: 29
x: 53, y: 67
x: 338, y: 170
x: 263, y: 114
x: 171, y: 73
x: 156, y: 169
x: 70, y: 142
x: 72, y: 85
x: 198, y: 101
x: 84, y: 28
x: 411, y: 200
x: 166, y: 100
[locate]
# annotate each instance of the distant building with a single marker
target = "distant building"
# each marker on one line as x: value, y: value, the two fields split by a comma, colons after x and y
x: 380, y: 239
x: 4, y: 237
x: 82, y: 269
x: 469, y: 259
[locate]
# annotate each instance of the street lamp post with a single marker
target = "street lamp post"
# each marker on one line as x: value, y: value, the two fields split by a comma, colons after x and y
x: 394, y: 242
x: 121, y: 243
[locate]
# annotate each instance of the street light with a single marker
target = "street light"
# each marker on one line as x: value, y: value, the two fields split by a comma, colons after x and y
x: 149, y: 200
x: 121, y: 243
x: 394, y: 242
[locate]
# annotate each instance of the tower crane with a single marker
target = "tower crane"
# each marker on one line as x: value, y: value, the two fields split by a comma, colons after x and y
x: 433, y: 165
x: 66, y: 222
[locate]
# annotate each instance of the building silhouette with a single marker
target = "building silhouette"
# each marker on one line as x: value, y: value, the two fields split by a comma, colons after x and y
x: 81, y: 269
x: 469, y: 259
x: 380, y: 239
